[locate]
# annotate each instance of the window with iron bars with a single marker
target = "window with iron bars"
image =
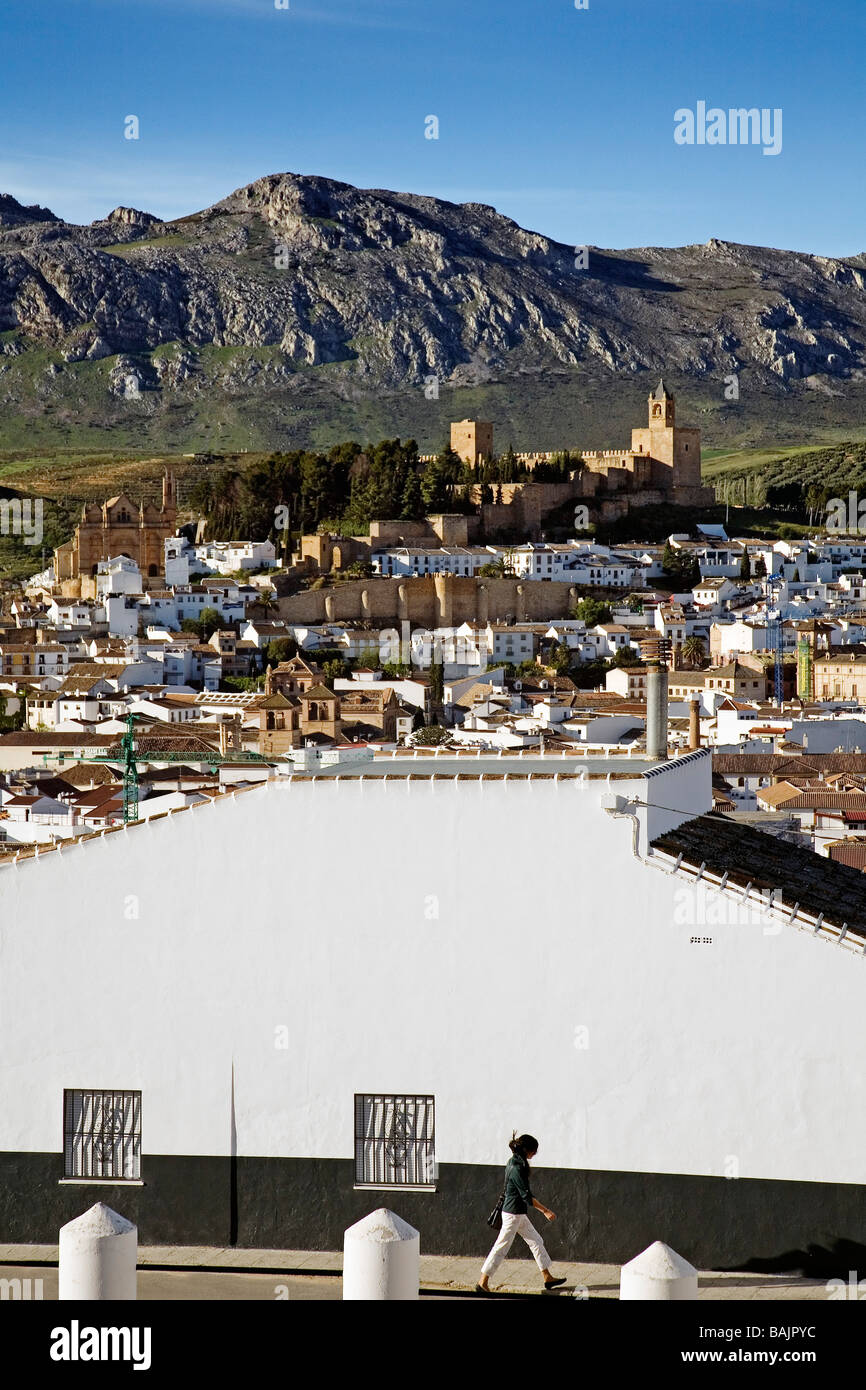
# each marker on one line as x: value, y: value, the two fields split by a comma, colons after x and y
x: 395, y: 1141
x: 102, y: 1135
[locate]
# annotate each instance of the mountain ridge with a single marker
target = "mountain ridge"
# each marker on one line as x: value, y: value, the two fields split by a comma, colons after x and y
x: 300, y: 305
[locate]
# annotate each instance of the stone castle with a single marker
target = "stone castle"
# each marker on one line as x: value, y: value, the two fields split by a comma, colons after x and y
x: 662, y: 465
x: 664, y: 457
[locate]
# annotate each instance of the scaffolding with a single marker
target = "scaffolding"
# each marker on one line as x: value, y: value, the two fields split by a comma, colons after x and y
x: 775, y: 640
x: 805, y: 670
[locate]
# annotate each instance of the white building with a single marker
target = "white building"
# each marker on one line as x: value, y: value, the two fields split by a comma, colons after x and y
x: 713, y: 593
x: 266, y: 1076
x: 119, y: 575
x: 513, y: 642
x: 71, y: 613
x: 420, y: 559
x: 462, y: 650
x: 121, y: 613
x: 183, y: 561
x: 191, y: 602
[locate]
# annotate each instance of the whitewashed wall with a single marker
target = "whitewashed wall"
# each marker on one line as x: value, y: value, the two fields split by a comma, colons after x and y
x: 556, y: 991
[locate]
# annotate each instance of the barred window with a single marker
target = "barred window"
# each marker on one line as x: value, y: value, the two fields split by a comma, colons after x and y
x: 394, y: 1141
x: 102, y: 1134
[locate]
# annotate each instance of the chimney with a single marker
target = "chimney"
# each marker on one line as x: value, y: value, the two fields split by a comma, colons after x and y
x: 694, y: 725
x: 655, y: 651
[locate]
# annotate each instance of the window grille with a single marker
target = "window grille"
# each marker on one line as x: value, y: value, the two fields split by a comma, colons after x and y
x: 102, y: 1134
x: 395, y: 1141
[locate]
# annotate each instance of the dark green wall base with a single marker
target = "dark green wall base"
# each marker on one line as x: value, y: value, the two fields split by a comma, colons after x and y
x: 306, y: 1204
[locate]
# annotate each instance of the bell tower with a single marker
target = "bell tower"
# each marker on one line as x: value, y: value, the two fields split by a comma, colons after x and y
x: 169, y: 497
x: 662, y: 410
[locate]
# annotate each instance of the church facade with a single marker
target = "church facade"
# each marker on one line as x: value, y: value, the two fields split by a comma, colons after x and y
x: 118, y: 527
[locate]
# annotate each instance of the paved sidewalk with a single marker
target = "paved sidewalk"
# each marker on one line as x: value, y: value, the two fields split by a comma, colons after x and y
x: 449, y: 1272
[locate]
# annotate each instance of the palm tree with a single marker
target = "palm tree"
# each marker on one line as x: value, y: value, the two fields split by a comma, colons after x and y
x: 694, y: 651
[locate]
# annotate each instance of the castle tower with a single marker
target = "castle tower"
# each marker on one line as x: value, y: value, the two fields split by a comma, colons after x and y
x: 674, y: 450
x: 473, y: 441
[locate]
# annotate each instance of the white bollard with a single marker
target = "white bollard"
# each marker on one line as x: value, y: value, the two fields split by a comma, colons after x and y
x: 98, y: 1253
x: 381, y: 1259
x: 658, y: 1273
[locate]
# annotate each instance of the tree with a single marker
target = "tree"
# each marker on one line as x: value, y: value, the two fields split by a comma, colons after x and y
x: 450, y: 463
x: 283, y: 649
x: 242, y: 683
x: 369, y: 658
x: 681, y: 568
x: 691, y: 572
x: 508, y: 466
x: 434, y: 488
x: 592, y: 611
x: 745, y: 567
x: 430, y: 736
x: 209, y: 621
x: 694, y: 651
x: 624, y: 656
x: 437, y: 681
x: 760, y: 568
x: 634, y: 603
x: 205, y: 625
x: 560, y: 659
x: 412, y: 508
x: 13, y: 722
x: 589, y: 675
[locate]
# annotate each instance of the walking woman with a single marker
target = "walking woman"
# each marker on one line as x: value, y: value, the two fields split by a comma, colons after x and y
x: 518, y: 1199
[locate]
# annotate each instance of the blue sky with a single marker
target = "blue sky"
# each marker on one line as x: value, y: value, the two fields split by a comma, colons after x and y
x: 562, y: 118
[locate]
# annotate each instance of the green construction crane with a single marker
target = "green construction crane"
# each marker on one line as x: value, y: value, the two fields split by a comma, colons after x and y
x: 130, y: 757
x: 130, y: 773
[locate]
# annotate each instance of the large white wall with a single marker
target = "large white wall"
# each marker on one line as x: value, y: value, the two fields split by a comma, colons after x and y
x: 497, y: 944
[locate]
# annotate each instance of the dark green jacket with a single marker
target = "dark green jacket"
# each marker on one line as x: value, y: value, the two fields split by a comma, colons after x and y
x: 518, y: 1197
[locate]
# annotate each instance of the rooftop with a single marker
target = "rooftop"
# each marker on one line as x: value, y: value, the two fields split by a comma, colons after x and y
x: 744, y: 857
x: 482, y: 763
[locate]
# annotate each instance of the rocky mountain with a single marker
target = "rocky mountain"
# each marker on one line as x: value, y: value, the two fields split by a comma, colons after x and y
x: 300, y: 309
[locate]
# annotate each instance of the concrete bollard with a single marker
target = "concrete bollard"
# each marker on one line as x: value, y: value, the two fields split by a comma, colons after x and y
x: 381, y: 1259
x: 98, y: 1253
x: 660, y: 1274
